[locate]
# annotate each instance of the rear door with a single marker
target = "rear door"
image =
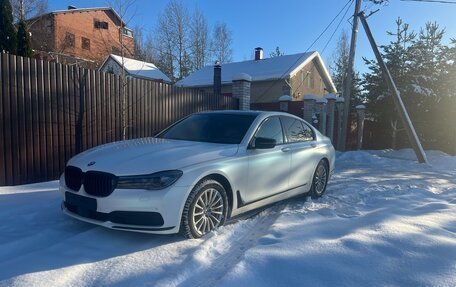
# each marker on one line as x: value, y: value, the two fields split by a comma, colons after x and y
x: 268, y: 169
x: 301, y: 140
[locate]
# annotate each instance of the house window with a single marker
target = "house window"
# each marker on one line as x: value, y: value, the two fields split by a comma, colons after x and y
x: 309, y: 79
x: 312, y: 79
x: 85, y: 43
x: 127, y: 32
x: 100, y: 24
x: 69, y: 39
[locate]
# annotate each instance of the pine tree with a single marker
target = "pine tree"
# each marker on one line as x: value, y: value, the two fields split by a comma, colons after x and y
x: 339, y: 68
x: 24, y: 46
x: 380, y: 101
x: 423, y: 70
x: 7, y: 30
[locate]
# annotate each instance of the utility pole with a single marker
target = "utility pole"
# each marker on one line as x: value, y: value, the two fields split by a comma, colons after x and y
x: 22, y: 10
x: 349, y: 77
x: 411, y: 133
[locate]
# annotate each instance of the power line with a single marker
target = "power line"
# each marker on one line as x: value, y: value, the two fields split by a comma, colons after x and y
x: 431, y: 1
x: 305, y: 53
x: 327, y: 43
x: 337, y: 28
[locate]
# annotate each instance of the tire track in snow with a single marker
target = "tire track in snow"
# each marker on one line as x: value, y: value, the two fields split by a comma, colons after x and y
x: 219, y: 253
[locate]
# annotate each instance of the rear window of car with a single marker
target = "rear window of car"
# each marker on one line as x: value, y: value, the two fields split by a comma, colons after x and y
x: 296, y: 130
x: 213, y: 128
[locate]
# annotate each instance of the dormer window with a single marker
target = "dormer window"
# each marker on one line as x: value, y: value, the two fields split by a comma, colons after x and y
x: 100, y: 24
x: 127, y: 32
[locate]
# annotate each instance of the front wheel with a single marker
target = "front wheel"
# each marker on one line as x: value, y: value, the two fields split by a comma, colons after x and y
x: 204, y: 210
x: 320, y: 180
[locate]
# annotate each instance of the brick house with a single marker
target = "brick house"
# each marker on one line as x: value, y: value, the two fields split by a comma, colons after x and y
x: 85, y: 36
x: 295, y: 75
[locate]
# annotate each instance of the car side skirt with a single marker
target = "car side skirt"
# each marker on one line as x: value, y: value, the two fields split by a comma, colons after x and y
x: 244, y: 207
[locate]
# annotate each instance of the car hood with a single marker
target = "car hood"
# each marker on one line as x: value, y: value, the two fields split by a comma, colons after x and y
x: 149, y: 155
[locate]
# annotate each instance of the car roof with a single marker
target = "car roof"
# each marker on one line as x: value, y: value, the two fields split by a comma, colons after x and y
x: 249, y: 112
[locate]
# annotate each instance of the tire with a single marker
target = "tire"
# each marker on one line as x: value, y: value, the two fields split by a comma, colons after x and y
x: 320, y: 180
x: 205, y: 210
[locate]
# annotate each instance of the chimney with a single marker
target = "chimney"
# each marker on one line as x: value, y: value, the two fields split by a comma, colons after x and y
x: 71, y: 7
x: 258, y: 54
x: 217, y: 79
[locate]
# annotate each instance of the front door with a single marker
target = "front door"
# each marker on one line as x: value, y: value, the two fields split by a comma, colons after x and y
x: 268, y: 169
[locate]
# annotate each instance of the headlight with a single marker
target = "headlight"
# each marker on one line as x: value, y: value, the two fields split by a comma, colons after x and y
x: 154, y: 181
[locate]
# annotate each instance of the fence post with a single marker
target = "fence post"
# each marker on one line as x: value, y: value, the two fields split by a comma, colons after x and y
x: 241, y: 90
x: 321, y: 110
x: 361, y: 111
x: 284, y: 100
x: 309, y: 107
x: 340, y: 117
x: 330, y: 109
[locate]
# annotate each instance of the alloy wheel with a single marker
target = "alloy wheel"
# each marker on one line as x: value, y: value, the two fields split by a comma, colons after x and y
x: 207, y: 211
x: 321, y: 176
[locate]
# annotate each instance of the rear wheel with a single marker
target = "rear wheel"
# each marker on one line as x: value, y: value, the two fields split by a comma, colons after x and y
x: 320, y: 180
x: 204, y: 210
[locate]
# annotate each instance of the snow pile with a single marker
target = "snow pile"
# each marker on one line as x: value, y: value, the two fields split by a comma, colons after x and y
x: 385, y: 221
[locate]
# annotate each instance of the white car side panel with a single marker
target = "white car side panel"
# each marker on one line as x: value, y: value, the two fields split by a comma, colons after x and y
x: 272, y: 166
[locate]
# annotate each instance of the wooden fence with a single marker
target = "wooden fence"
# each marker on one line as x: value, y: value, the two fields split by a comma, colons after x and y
x: 50, y: 112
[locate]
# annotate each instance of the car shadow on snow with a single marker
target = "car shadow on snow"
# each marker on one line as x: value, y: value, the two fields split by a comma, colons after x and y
x: 36, y: 236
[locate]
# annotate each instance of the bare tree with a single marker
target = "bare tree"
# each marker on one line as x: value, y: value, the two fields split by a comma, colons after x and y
x: 172, y: 40
x: 139, y: 49
x: 26, y: 9
x: 199, y: 40
x: 123, y: 8
x: 150, y: 50
x: 221, y: 43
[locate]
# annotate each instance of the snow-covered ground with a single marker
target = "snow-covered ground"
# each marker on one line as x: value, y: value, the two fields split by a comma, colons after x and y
x: 385, y: 221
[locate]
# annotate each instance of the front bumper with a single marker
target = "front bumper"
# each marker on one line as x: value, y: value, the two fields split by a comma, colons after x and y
x: 132, y: 210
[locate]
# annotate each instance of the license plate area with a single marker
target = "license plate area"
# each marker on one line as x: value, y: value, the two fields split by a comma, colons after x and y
x: 81, y: 205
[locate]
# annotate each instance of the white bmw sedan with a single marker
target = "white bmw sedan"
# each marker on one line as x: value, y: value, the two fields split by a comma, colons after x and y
x: 197, y: 173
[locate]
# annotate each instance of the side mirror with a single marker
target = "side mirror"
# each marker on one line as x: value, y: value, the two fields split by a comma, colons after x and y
x: 264, y: 143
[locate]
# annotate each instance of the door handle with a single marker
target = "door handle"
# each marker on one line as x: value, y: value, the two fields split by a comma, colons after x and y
x: 313, y: 145
x: 286, y: 149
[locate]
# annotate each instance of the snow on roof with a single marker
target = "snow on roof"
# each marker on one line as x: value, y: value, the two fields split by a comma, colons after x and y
x: 266, y: 69
x: 140, y: 68
x: 80, y: 10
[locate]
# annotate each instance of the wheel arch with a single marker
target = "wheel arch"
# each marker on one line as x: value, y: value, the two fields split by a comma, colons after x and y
x: 226, y: 185
x: 326, y: 160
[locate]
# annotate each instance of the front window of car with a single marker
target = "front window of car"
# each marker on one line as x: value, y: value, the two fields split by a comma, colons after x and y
x: 213, y: 128
x: 271, y: 129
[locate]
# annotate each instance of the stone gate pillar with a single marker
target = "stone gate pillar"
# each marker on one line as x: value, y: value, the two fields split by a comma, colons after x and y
x: 321, y: 110
x: 241, y: 90
x: 330, y: 110
x: 309, y: 108
x: 340, y: 117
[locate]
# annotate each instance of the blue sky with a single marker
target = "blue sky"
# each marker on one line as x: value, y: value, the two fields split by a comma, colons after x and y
x: 290, y: 24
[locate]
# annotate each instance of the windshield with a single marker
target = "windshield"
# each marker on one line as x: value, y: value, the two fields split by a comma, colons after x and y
x: 213, y: 128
